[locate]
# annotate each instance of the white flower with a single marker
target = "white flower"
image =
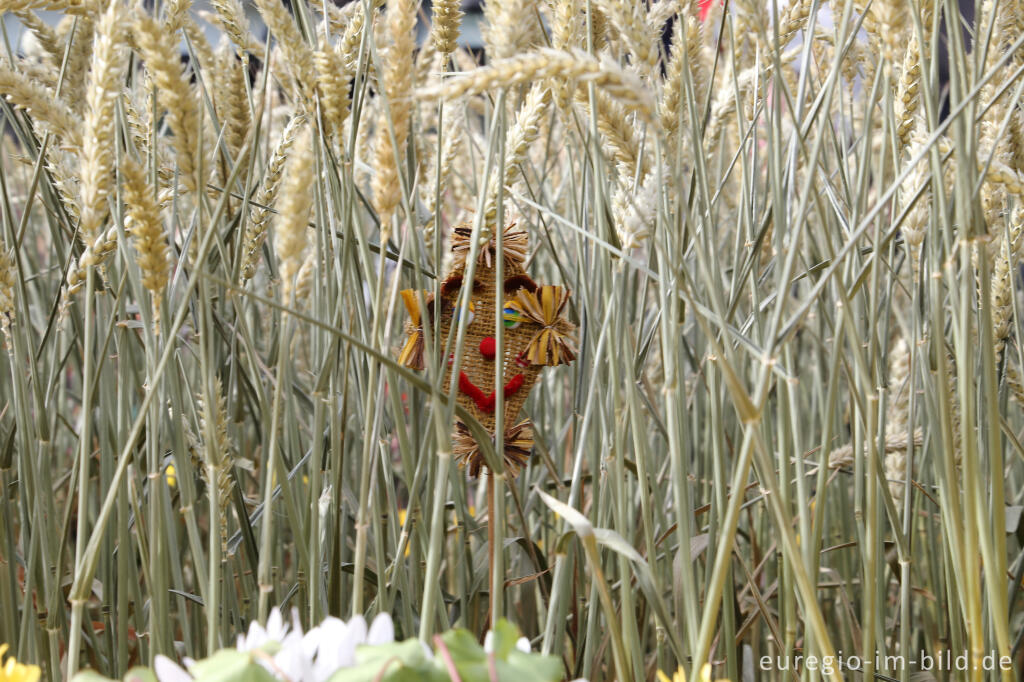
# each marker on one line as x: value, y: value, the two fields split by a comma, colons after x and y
x: 275, y: 631
x: 336, y: 642
x: 168, y: 671
x: 293, y: 658
x: 382, y: 630
x: 522, y: 643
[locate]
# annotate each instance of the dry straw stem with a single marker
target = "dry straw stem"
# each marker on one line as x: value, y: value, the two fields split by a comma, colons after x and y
x: 40, y: 102
x: 444, y: 29
x: 290, y: 239
x: 298, y: 55
x: 574, y: 65
x: 174, y: 93
x: 144, y: 224
x: 256, y: 231
x: 397, y: 72
x: 97, y: 163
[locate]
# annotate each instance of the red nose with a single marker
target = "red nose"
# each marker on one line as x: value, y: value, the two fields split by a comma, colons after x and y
x: 487, y: 347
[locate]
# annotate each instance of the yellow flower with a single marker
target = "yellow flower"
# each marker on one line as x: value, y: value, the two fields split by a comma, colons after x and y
x: 402, y: 513
x: 12, y: 671
x: 680, y: 675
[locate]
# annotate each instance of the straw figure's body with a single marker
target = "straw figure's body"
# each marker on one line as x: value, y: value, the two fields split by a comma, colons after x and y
x: 535, y: 334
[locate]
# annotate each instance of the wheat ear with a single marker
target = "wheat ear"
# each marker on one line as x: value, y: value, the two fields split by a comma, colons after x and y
x: 98, y: 143
x: 256, y: 231
x: 398, y: 69
x: 175, y: 94
x: 549, y: 63
x: 40, y: 102
x: 290, y: 238
x: 146, y: 228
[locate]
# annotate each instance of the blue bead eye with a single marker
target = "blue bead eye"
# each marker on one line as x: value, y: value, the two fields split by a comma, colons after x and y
x: 469, y: 320
x: 511, y: 315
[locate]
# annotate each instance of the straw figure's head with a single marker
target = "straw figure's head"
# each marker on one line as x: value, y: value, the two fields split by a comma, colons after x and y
x: 535, y: 334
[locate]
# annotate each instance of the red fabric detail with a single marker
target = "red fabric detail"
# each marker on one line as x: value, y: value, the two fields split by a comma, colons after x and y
x: 486, y: 402
x: 488, y: 347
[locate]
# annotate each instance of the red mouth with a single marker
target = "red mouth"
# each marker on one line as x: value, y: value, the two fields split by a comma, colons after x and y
x: 486, y: 402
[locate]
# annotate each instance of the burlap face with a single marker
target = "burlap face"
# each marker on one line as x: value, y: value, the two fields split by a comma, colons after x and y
x: 530, y: 324
x: 517, y: 377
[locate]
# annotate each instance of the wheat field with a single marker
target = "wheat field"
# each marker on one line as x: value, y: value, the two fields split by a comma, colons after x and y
x: 781, y: 432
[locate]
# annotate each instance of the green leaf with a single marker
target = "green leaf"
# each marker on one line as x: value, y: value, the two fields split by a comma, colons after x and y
x: 523, y: 666
x: 469, y: 657
x: 503, y: 639
x: 89, y: 676
x: 228, y: 665
x: 399, y: 662
x: 139, y: 674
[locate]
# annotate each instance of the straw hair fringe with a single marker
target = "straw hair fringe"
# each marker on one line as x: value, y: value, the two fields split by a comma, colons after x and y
x: 98, y: 141
x: 42, y: 104
x: 549, y: 63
